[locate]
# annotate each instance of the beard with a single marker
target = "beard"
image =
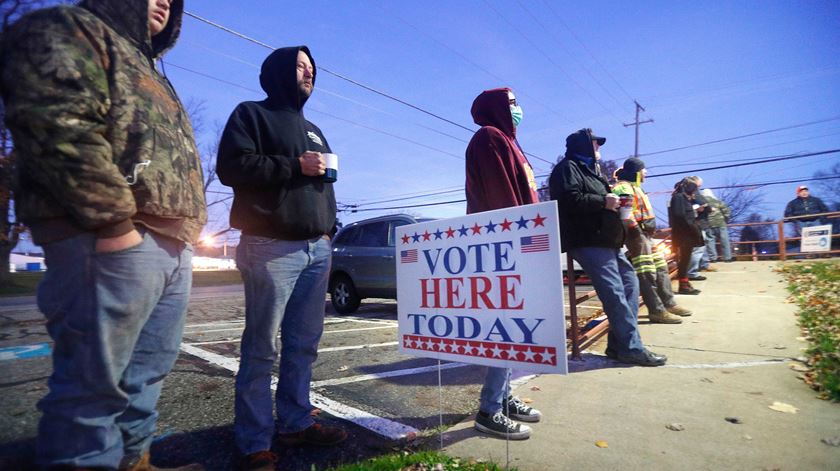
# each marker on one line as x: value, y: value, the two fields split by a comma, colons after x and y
x: 303, y: 91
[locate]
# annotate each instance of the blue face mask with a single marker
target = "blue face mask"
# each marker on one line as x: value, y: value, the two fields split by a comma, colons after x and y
x: 516, y: 114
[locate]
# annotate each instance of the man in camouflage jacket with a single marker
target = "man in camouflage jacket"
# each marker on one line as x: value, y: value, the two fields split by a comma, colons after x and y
x: 110, y: 184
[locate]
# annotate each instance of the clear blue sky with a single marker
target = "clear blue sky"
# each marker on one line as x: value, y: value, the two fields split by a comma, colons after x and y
x: 704, y: 70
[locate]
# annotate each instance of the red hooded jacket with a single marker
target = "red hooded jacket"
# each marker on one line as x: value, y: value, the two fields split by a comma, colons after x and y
x: 498, y: 174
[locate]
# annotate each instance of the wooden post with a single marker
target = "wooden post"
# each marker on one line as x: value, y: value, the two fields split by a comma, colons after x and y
x: 782, y: 245
x: 574, y: 331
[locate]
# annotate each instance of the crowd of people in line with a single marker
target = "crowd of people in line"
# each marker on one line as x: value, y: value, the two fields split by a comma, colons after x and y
x: 110, y: 184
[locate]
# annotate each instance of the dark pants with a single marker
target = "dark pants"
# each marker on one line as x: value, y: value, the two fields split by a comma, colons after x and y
x: 683, y: 260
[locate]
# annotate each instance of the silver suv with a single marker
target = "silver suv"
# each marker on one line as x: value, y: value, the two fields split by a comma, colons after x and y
x: 363, y: 263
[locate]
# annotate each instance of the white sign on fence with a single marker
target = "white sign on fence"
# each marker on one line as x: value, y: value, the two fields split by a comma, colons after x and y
x: 486, y: 288
x: 816, y: 238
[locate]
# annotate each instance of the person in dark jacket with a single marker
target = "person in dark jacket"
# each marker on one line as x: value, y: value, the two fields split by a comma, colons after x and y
x: 685, y: 233
x: 271, y: 156
x: 804, y: 205
x: 700, y: 257
x: 591, y: 230
x: 109, y: 182
x: 499, y: 176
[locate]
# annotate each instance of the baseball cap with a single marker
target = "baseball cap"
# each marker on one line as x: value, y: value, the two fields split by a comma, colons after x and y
x: 800, y: 188
x: 599, y: 139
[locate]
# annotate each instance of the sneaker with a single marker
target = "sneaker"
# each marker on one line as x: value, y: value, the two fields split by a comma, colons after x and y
x: 729, y: 261
x: 680, y: 311
x: 144, y: 463
x: 709, y: 269
x: 259, y: 461
x: 316, y: 434
x: 697, y: 278
x: 663, y: 317
x: 643, y: 358
x: 518, y: 410
x: 501, y: 426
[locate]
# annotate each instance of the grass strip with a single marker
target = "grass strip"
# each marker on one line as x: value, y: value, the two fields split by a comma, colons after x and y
x: 420, y: 461
x: 815, y: 287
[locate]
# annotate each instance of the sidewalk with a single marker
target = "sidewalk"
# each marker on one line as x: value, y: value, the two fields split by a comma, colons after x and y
x: 730, y: 359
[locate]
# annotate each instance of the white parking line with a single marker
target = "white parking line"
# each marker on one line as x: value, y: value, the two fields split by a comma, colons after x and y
x: 386, y: 374
x: 358, y: 347
x: 214, y: 324
x: 326, y: 331
x: 385, y: 427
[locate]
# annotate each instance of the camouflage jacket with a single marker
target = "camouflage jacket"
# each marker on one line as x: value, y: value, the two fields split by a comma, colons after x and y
x: 102, y: 139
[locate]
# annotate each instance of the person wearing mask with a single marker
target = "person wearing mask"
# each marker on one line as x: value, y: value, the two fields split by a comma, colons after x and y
x: 271, y: 156
x: 650, y: 265
x: 110, y: 184
x: 685, y: 233
x: 592, y: 231
x: 804, y: 205
x: 499, y: 176
x: 719, y: 213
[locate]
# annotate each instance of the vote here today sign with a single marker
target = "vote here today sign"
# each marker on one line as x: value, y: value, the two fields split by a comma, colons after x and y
x: 486, y: 288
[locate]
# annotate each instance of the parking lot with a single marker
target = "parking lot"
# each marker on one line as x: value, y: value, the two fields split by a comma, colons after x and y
x: 360, y: 378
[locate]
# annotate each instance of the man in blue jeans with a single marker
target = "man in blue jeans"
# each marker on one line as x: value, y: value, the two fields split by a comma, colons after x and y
x: 271, y: 156
x: 591, y: 230
x: 110, y: 185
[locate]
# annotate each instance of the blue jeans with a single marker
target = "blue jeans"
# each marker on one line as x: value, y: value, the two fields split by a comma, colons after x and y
x: 495, y: 390
x: 116, y: 319
x: 617, y: 287
x: 698, y: 261
x: 711, y: 242
x: 285, y: 289
x: 722, y: 234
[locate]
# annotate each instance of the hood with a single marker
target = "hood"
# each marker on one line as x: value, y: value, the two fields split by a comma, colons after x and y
x: 131, y: 19
x: 707, y: 192
x: 492, y: 108
x: 278, y: 77
x: 580, y: 143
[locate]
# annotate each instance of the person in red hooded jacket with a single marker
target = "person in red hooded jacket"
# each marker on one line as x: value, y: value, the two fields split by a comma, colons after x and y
x: 499, y: 176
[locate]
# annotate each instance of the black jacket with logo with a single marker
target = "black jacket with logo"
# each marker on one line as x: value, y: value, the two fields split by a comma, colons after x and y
x: 258, y: 158
x: 805, y: 206
x: 580, y: 191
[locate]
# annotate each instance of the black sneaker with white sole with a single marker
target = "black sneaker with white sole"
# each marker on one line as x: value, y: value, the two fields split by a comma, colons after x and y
x: 501, y: 426
x: 518, y: 410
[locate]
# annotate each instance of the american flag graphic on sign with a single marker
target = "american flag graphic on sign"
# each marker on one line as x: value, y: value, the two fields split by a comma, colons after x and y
x: 534, y: 243
x: 408, y: 256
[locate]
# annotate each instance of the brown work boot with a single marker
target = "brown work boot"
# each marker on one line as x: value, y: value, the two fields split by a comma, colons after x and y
x: 143, y: 463
x: 680, y: 311
x: 686, y: 288
x: 259, y: 461
x: 709, y: 268
x: 316, y: 434
x: 663, y: 317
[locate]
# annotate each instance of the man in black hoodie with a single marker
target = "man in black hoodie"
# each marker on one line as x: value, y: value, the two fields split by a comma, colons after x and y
x: 591, y: 230
x: 271, y: 156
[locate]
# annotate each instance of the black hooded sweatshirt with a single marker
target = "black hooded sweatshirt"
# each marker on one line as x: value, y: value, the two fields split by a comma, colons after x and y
x: 258, y: 158
x: 580, y: 190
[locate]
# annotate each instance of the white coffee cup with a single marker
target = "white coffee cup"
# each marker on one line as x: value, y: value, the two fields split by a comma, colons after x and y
x: 331, y: 172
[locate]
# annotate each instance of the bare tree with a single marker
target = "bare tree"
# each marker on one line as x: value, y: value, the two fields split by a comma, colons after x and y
x: 828, y: 190
x: 742, y: 200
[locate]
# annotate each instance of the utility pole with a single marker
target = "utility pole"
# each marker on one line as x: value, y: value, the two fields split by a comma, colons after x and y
x: 637, y: 123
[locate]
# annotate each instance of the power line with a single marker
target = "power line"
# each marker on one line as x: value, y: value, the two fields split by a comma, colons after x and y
x: 742, y: 136
x: 466, y: 59
x: 777, y: 159
x: 348, y: 79
x: 585, y: 47
x: 537, y: 48
x: 702, y: 160
x: 354, y: 123
x: 560, y: 43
